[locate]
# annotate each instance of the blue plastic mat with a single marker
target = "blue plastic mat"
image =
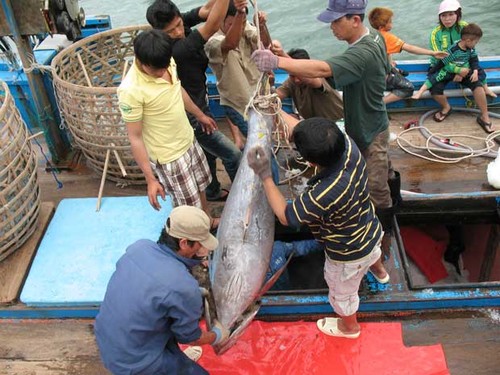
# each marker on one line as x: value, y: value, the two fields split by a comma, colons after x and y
x: 77, y: 255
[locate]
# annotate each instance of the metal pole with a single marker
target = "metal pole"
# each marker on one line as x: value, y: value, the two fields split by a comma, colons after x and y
x: 58, y: 146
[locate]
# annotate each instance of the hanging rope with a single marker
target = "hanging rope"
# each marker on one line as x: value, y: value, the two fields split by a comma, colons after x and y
x: 53, y: 170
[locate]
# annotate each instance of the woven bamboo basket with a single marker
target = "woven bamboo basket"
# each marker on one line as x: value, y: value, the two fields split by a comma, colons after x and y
x: 86, y: 76
x: 19, y: 189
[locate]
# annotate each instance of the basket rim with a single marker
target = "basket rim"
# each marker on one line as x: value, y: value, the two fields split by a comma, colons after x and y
x: 72, y: 49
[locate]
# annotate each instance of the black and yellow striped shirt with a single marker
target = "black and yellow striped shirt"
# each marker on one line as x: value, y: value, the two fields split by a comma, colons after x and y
x: 338, y: 210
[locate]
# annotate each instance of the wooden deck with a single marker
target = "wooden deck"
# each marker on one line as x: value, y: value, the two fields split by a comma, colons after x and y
x: 471, y: 344
x: 471, y: 339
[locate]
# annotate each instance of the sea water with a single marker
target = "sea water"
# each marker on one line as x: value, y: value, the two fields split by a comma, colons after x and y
x: 294, y: 23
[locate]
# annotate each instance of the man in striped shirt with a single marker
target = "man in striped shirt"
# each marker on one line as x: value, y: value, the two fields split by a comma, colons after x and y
x: 338, y: 211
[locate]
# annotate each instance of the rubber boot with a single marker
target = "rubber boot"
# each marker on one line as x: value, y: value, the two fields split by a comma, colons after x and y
x: 385, y: 216
x: 456, y: 246
x: 395, y: 187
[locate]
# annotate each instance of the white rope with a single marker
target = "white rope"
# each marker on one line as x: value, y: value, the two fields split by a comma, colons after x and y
x: 464, y: 150
x: 33, y: 65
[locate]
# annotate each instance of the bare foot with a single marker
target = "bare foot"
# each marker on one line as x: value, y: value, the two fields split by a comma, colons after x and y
x: 239, y: 143
x: 489, y: 92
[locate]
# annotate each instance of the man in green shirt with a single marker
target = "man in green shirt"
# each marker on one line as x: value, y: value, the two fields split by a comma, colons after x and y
x: 360, y: 73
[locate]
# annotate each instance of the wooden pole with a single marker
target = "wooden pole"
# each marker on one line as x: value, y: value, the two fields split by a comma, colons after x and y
x: 103, y: 180
x: 58, y: 145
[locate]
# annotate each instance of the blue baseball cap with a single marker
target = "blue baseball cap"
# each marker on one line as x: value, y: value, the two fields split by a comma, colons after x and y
x: 339, y: 8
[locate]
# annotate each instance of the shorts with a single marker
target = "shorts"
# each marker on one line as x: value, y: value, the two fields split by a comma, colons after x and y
x: 379, y: 168
x: 184, y: 178
x: 343, y: 281
x: 439, y: 86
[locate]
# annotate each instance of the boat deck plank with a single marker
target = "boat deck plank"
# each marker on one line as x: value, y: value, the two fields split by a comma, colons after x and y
x: 13, y: 270
x: 422, y: 176
x: 471, y: 344
x: 54, y: 347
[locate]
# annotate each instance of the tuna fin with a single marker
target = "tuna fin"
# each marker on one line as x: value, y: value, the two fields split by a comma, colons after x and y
x: 240, y: 327
x: 208, y: 316
x: 275, y: 277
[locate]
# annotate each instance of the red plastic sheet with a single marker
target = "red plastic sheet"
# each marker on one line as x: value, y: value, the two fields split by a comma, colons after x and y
x: 426, y: 252
x: 299, y: 348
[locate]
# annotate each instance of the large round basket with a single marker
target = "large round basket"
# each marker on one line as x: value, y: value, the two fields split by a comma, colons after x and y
x: 19, y: 189
x: 86, y: 77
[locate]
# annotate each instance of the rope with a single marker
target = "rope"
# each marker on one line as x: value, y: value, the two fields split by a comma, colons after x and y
x: 52, y: 170
x: 33, y: 65
x: 448, y: 143
x: 267, y: 103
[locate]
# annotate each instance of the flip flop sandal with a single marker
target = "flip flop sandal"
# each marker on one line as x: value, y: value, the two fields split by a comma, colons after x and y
x: 485, y: 125
x: 221, y: 197
x: 383, y: 280
x: 193, y: 353
x: 330, y: 327
x: 442, y: 115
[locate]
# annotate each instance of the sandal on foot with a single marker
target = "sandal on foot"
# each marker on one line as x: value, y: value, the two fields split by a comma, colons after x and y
x: 330, y: 327
x: 193, y: 353
x: 221, y: 197
x: 440, y: 116
x: 380, y: 280
x: 485, y: 125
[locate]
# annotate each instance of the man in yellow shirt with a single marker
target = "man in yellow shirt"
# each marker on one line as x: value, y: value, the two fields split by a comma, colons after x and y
x: 153, y: 104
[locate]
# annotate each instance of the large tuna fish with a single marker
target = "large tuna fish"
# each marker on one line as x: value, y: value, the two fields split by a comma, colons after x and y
x: 246, y: 234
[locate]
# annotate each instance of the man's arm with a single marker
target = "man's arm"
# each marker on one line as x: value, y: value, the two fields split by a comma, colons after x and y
x: 205, y: 9
x: 305, y: 68
x: 207, y: 337
x: 276, y: 199
x: 214, y: 19
x: 264, y: 31
x: 235, y: 32
x: 267, y: 61
x: 134, y: 130
x: 259, y: 160
x: 208, y: 123
x: 291, y: 122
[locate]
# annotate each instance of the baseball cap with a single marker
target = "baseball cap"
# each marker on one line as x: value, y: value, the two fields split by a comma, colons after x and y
x: 193, y: 224
x: 339, y: 8
x: 449, y: 6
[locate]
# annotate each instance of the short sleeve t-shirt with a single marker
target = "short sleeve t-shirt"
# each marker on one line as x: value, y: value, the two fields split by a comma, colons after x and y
x: 338, y: 210
x: 393, y: 44
x: 192, y: 62
x: 237, y: 75
x: 360, y: 72
x: 166, y: 132
x: 323, y: 101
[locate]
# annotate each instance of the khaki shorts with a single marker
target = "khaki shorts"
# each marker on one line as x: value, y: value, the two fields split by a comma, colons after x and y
x: 343, y: 281
x: 184, y: 178
x: 378, y: 166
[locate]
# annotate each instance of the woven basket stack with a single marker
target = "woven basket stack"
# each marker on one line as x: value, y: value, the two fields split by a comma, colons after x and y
x: 19, y: 189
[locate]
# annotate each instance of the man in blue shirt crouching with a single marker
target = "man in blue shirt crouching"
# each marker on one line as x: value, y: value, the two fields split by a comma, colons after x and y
x: 152, y: 302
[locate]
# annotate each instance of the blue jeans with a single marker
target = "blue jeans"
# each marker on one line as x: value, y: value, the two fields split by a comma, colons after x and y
x: 281, y: 253
x: 216, y: 145
x: 238, y: 120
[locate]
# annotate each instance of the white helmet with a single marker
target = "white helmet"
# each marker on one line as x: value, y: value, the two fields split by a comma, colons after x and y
x: 449, y: 6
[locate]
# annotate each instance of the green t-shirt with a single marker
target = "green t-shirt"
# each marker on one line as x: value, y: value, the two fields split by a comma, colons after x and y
x: 360, y: 73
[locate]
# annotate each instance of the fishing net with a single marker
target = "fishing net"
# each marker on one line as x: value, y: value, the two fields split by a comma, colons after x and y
x: 19, y: 189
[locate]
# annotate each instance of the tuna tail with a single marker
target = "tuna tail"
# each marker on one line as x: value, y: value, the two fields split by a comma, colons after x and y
x: 240, y: 327
x: 247, y: 317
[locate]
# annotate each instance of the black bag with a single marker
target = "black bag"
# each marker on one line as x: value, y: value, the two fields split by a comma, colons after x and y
x: 396, y: 81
